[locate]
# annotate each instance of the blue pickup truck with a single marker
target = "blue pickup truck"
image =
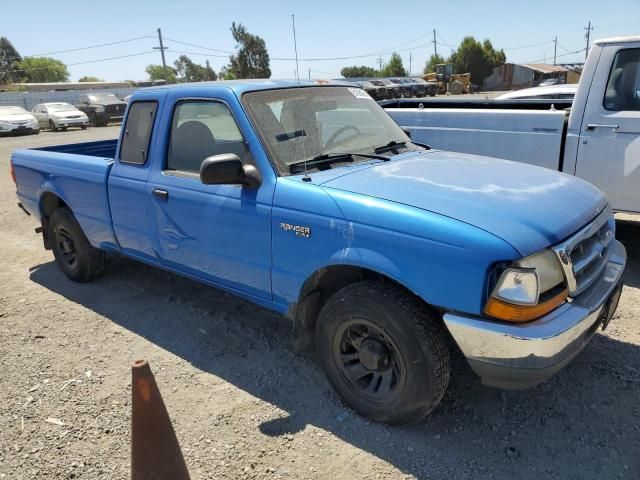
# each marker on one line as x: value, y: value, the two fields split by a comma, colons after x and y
x: 308, y: 199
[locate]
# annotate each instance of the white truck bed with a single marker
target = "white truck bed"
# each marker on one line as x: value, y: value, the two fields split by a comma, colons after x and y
x: 530, y: 136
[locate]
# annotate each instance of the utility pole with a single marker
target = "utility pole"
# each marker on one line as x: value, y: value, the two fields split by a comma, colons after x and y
x: 555, y: 47
x: 162, y: 48
x: 409, y: 63
x: 309, y: 74
x: 380, y: 62
x: 435, y: 43
x: 587, y: 36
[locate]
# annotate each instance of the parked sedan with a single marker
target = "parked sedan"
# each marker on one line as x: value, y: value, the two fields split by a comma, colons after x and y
x: 60, y: 115
x: 102, y: 108
x: 377, y: 92
x: 426, y: 88
x: 17, y: 120
x: 406, y: 90
x: 393, y: 89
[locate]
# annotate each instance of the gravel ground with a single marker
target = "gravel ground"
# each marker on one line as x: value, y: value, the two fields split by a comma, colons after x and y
x: 244, y: 406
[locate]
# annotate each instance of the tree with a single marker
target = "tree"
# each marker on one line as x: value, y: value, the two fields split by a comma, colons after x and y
x: 394, y: 67
x: 226, y: 74
x: 188, y: 71
x: 359, y: 72
x: 9, y: 57
x: 434, y: 60
x: 251, y: 59
x: 89, y: 79
x: 158, y: 72
x: 477, y: 58
x: 43, y: 70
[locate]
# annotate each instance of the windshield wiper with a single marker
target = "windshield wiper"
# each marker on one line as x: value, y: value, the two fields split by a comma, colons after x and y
x: 329, y: 158
x: 394, y: 144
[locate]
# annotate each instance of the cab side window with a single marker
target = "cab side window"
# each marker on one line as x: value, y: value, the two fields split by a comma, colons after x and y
x: 137, y: 132
x: 623, y: 86
x: 201, y: 129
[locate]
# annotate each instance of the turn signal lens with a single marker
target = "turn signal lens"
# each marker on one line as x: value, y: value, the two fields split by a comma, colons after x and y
x: 523, y: 313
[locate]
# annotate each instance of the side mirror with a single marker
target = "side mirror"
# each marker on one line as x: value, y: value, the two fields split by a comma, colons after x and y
x: 227, y: 169
x: 407, y: 132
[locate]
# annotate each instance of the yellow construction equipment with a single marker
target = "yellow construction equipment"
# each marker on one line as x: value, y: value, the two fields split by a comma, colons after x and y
x: 449, y: 82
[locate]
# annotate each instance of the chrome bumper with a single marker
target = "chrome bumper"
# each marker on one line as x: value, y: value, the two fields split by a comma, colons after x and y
x: 522, y: 355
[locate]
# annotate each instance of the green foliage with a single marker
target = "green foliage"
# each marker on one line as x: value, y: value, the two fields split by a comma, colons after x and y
x: 9, y: 57
x: 359, y: 72
x: 89, y: 79
x: 251, y: 59
x: 434, y: 60
x: 477, y: 58
x: 394, y: 67
x: 157, y: 72
x: 226, y: 74
x: 43, y: 70
x: 188, y: 71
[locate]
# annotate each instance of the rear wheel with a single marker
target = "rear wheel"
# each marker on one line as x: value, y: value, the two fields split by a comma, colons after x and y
x: 383, y: 352
x: 77, y: 259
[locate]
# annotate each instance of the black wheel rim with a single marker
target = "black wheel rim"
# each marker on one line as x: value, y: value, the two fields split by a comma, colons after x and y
x: 66, y: 248
x: 369, y: 360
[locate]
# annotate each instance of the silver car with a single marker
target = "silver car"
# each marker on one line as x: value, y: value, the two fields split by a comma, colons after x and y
x: 17, y: 120
x: 60, y: 115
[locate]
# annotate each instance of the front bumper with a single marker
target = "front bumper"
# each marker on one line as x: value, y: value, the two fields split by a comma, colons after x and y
x: 71, y: 122
x: 517, y: 356
x: 25, y: 129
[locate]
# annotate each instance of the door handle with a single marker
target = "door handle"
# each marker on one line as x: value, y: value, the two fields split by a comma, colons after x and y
x: 161, y: 194
x: 593, y: 126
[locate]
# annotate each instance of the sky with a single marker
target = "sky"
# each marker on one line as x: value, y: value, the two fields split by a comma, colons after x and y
x: 369, y: 29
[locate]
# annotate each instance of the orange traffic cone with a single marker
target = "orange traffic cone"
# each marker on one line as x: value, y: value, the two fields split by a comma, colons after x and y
x: 155, y: 451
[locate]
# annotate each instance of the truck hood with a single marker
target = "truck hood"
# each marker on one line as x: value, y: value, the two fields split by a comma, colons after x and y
x: 529, y: 207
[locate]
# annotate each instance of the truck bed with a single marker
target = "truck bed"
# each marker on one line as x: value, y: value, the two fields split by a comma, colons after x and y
x: 77, y: 174
x: 100, y: 148
x: 532, y: 136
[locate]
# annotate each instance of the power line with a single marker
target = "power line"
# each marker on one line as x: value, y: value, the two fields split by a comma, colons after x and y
x: 83, y: 48
x: 85, y: 62
x: 199, y: 46
x: 528, y: 46
x: 563, y: 55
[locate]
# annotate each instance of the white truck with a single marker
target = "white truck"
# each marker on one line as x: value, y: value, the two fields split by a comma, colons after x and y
x: 596, y: 139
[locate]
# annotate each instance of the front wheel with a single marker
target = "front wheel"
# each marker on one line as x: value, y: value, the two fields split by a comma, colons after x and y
x: 52, y: 126
x: 75, y: 256
x: 383, y: 352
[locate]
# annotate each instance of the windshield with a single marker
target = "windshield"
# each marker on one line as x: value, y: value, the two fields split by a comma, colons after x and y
x: 302, y: 123
x: 12, y: 110
x: 104, y: 97
x: 60, y: 107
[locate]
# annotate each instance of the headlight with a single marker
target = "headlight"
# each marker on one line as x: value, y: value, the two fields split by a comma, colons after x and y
x: 529, y: 289
x: 99, y: 108
x: 519, y: 286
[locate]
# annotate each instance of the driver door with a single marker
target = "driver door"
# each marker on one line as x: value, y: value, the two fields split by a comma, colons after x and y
x: 221, y: 233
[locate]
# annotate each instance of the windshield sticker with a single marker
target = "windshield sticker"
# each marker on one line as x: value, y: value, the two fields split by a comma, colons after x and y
x: 359, y: 93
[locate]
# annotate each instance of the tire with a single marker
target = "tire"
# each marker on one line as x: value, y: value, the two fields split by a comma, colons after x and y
x: 52, y: 126
x: 93, y: 118
x: 83, y: 127
x: 383, y: 352
x: 77, y: 259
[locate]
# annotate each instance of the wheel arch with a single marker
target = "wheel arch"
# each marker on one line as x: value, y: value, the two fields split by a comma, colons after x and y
x: 49, y: 201
x: 323, y: 283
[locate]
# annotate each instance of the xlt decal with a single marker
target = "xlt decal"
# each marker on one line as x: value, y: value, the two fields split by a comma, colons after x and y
x: 299, y: 230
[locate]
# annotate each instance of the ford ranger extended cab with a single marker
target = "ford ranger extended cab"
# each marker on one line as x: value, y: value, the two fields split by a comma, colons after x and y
x: 597, y: 139
x: 308, y: 199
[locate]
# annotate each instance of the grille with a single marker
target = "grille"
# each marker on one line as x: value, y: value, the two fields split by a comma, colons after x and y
x: 584, y: 255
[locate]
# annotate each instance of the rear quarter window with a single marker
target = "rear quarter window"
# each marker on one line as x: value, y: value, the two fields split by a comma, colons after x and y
x: 137, y: 132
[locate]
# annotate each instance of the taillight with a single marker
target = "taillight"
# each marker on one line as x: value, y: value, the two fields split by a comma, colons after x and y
x: 13, y: 173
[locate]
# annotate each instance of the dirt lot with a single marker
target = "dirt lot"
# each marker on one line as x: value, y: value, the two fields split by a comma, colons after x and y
x: 245, y: 406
